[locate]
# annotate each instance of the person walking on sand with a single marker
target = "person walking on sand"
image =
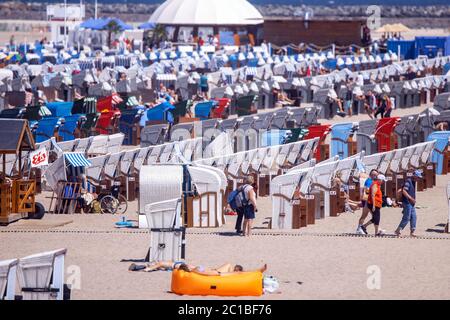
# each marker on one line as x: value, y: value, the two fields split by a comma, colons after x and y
x: 409, y: 204
x: 365, y: 195
x: 247, y: 212
x: 375, y: 203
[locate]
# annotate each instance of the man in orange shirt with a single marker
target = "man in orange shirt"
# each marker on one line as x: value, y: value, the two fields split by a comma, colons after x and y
x: 375, y: 203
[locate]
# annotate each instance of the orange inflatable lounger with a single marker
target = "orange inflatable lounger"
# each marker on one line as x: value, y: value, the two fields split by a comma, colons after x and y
x: 236, y: 285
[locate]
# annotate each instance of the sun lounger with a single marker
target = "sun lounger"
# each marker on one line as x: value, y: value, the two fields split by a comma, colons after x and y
x: 41, y: 276
x: 8, y: 270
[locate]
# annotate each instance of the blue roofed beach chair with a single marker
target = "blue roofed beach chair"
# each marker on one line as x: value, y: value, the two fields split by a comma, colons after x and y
x: 46, y: 129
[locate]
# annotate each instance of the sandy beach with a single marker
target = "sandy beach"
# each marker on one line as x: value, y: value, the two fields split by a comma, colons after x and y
x: 322, y: 261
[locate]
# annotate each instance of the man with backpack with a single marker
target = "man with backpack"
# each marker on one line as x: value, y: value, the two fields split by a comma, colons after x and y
x: 409, y: 204
x: 243, y: 202
x: 375, y: 203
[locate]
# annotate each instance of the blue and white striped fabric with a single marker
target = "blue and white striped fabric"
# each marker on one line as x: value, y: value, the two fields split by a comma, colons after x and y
x: 166, y: 77
x: 108, y: 62
x: 227, y: 75
x: 77, y: 160
x: 123, y: 61
x: 251, y: 71
x: 85, y: 64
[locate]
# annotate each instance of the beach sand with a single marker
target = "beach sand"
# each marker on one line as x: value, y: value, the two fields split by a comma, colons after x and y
x: 322, y: 261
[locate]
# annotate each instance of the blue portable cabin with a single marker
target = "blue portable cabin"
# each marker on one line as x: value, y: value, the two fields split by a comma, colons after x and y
x: 442, y: 141
x: 431, y: 46
x: 339, y: 139
x: 405, y: 49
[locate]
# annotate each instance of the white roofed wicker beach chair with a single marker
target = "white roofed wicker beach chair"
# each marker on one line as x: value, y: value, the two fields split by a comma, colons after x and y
x: 8, y: 270
x: 41, y: 276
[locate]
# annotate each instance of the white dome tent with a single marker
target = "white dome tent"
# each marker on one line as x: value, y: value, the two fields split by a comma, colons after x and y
x: 189, y: 19
x: 207, y: 13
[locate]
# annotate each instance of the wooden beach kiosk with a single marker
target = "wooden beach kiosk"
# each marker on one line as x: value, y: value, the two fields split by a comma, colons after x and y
x: 17, y: 193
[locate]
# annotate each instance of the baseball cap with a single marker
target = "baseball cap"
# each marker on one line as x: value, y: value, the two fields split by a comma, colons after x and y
x: 418, y: 174
x: 381, y: 177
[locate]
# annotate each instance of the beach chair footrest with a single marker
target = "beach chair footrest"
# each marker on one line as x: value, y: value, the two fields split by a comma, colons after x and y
x: 41, y: 290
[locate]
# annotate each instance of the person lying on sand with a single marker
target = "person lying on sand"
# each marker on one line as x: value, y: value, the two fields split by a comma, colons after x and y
x: 226, y: 269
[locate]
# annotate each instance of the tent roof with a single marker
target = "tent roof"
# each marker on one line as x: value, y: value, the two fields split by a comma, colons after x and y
x: 207, y: 12
x: 15, y: 135
x: 102, y: 23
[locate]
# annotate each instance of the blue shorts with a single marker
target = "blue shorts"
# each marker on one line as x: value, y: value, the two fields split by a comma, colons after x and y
x: 249, y: 213
x: 348, y: 105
